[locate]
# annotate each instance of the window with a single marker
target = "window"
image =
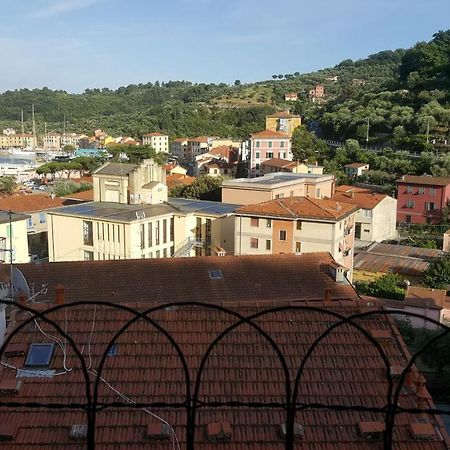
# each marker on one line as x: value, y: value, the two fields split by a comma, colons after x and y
x: 150, y: 234
x: 164, y: 252
x: 269, y: 223
x: 142, y: 236
x: 88, y: 238
x: 299, y: 225
x: 257, y: 155
x: 269, y: 155
x: 208, y: 228
x: 298, y: 247
x: 165, y: 231
x: 215, y: 274
x: 257, y: 166
x: 113, y: 350
x: 258, y: 144
x: 317, y: 193
x: 291, y: 193
x: 429, y: 206
x: 421, y: 190
x: 254, y: 222
x: 277, y: 196
x: 88, y: 256
x: 157, y: 233
x: 118, y: 233
x: 253, y: 242
x: 42, y: 217
x: 433, y: 191
x: 410, y: 204
x: 39, y: 355
x: 409, y: 189
x: 270, y: 144
x: 367, y: 213
x: 268, y: 244
x: 29, y: 222
x: 282, y: 235
x: 172, y: 225
x: 282, y: 144
x: 158, y: 254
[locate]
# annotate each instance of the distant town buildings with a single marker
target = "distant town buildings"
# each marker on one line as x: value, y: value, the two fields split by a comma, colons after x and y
x: 356, y: 169
x: 291, y: 97
x: 317, y: 94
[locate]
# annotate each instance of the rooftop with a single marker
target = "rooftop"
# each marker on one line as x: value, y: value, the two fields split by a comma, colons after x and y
x: 110, y: 211
x: 30, y: 203
x: 154, y: 134
x: 87, y: 196
x: 401, y: 259
x: 300, y: 208
x: 283, y: 114
x: 189, y: 205
x: 178, y: 178
x: 278, y: 162
x: 286, y: 277
x: 115, y: 169
x: 424, y: 180
x: 345, y: 370
x: 274, y: 180
x: 356, y: 165
x: 6, y: 218
x: 425, y: 297
x: 269, y: 134
x: 364, y: 198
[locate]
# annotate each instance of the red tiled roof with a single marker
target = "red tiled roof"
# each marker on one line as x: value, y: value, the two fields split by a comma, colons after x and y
x: 269, y: 134
x: 200, y: 139
x: 87, y: 196
x: 364, y: 198
x: 180, y: 140
x: 149, y: 279
x: 280, y: 163
x: 154, y: 134
x: 346, y: 369
x: 424, y: 180
x: 178, y: 178
x: 300, y: 207
x: 30, y: 202
x: 226, y: 152
x: 425, y: 297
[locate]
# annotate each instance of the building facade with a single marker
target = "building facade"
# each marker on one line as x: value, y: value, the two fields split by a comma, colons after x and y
x: 246, y: 191
x: 158, y: 141
x: 297, y: 225
x: 354, y: 170
x: 265, y: 145
x: 283, y: 122
x: 376, y: 219
x: 13, y: 238
x: 422, y: 199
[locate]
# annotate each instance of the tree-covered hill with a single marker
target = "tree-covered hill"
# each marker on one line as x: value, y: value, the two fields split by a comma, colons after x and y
x: 403, y: 95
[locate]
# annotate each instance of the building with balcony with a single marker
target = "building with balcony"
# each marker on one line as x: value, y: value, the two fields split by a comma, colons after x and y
x: 297, y: 225
x: 245, y: 191
x: 422, y: 199
x: 375, y: 221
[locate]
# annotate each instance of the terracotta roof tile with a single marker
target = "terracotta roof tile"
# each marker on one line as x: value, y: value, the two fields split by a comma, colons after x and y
x: 424, y: 180
x: 345, y: 369
x: 134, y: 280
x: 269, y: 134
x: 178, y: 178
x: 300, y: 207
x: 30, y: 202
x: 278, y: 162
x: 364, y: 198
x: 154, y: 134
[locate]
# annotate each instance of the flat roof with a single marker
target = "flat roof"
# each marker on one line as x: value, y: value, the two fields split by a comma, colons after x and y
x: 188, y: 205
x: 273, y: 180
x: 110, y: 211
x: 4, y: 217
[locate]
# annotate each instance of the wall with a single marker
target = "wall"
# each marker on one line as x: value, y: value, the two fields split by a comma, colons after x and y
x: 109, y: 188
x: 241, y: 196
x: 19, y: 241
x: 384, y: 218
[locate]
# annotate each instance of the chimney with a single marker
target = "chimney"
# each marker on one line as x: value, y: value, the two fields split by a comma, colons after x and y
x: 60, y: 294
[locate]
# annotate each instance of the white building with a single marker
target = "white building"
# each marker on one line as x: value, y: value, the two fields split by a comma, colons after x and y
x: 13, y: 236
x: 158, y: 141
x: 376, y: 219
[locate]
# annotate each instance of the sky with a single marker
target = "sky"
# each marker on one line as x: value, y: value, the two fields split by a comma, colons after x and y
x: 78, y: 44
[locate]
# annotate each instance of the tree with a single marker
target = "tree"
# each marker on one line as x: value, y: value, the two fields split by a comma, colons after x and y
x: 69, y: 148
x: 306, y: 145
x: 437, y: 274
x: 389, y: 285
x: 237, y: 83
x: 7, y: 185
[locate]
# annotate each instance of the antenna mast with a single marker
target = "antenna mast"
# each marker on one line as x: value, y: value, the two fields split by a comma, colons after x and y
x: 34, y: 126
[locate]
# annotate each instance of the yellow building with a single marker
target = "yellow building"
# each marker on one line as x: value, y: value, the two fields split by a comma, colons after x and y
x: 284, y: 122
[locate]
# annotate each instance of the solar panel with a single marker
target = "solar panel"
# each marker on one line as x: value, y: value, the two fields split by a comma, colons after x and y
x: 39, y: 355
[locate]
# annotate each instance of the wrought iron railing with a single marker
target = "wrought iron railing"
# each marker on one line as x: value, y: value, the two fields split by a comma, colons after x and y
x: 192, y: 403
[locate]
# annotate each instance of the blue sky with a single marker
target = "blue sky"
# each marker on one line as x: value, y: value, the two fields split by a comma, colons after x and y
x: 79, y: 44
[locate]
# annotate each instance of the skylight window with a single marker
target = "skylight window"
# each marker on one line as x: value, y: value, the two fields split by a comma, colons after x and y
x: 113, y: 350
x: 39, y: 355
x: 215, y: 274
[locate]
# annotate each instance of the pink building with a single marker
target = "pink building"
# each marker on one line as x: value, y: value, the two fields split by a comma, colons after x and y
x: 421, y: 199
x: 265, y: 145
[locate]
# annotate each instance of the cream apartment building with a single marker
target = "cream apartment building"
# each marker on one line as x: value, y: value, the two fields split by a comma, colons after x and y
x: 158, y: 141
x: 297, y: 225
x: 375, y: 221
x: 13, y: 236
x: 245, y: 191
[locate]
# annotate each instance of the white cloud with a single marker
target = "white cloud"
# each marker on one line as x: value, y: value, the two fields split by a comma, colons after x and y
x: 57, y: 8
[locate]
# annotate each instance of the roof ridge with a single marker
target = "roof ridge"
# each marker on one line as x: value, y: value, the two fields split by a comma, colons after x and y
x: 280, y: 203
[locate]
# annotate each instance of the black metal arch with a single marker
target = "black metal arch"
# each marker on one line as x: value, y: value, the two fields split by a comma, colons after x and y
x: 192, y: 403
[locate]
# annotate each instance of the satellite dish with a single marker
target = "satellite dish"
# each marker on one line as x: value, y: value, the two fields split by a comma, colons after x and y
x: 19, y: 282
